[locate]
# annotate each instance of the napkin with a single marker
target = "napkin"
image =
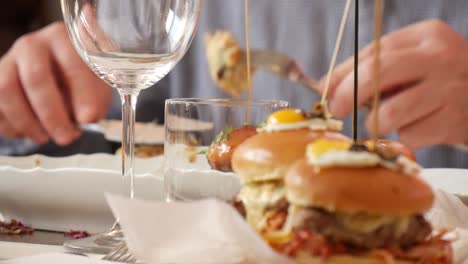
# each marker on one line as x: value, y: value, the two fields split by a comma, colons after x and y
x: 212, y: 231
x: 450, y: 212
x: 208, y: 231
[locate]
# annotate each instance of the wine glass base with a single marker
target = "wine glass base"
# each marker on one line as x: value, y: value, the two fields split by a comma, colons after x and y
x: 102, y: 243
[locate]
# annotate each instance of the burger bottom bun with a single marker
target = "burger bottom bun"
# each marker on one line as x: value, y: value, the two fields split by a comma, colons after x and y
x: 304, y: 258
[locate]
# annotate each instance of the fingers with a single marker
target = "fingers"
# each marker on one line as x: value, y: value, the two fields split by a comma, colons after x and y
x: 89, y: 95
x: 404, y: 38
x: 397, y: 68
x: 407, y: 107
x: 45, y: 88
x: 427, y: 131
x: 17, y: 116
x: 94, y: 35
x: 37, y: 77
x: 6, y: 130
x: 347, y: 67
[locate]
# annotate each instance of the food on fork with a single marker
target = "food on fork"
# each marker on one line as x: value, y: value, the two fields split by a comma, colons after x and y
x: 352, y: 205
x: 220, y: 152
x: 224, y: 56
x: 262, y: 160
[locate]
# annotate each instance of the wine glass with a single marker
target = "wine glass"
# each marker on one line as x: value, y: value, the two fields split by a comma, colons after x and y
x: 131, y: 45
x: 191, y: 126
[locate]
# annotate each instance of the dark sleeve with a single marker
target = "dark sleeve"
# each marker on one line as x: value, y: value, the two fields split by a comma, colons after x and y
x: 16, y: 18
x: 49, y: 11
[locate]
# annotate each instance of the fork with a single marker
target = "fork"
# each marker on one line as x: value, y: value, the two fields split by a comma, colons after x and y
x: 285, y: 67
x: 282, y: 65
x: 120, y: 254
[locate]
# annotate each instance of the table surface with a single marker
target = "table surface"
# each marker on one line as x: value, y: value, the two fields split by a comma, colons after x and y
x: 27, y: 245
x: 39, y: 237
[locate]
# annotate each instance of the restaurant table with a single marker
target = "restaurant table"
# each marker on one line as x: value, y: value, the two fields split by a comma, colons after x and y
x: 27, y: 245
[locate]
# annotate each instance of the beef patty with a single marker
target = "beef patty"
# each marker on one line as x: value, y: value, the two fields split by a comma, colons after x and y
x: 387, y: 235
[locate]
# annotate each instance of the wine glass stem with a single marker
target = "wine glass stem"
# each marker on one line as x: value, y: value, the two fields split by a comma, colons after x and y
x: 129, y: 100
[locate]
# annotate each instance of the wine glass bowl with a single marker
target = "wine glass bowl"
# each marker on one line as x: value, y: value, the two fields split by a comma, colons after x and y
x: 131, y: 45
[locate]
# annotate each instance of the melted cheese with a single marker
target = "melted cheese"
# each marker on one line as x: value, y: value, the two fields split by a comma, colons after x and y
x: 257, y: 197
x: 286, y: 233
x: 365, y: 223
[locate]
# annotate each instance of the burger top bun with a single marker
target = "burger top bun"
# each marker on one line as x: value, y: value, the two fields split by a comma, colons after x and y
x: 267, y: 156
x: 374, y: 190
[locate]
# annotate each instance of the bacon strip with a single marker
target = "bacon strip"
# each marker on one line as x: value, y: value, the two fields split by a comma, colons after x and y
x: 15, y: 228
x: 76, y: 234
x: 435, y: 250
x: 314, y: 244
x: 384, y: 255
x: 276, y: 222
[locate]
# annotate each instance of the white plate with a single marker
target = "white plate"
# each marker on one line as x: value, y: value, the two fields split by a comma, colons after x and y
x: 450, y: 180
x: 94, y: 161
x: 68, y: 193
x: 11, y: 250
x: 145, y: 133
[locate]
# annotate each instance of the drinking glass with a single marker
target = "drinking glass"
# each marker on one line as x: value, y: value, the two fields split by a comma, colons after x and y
x: 131, y: 45
x: 191, y: 125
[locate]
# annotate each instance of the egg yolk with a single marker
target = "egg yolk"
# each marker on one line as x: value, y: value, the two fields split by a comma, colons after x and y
x: 322, y: 146
x: 286, y: 116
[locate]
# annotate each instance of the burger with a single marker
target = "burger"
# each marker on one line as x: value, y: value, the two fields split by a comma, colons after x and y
x: 349, y: 204
x: 262, y: 161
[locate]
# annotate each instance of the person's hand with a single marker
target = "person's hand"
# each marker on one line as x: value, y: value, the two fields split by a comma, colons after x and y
x: 424, y: 85
x: 46, y: 89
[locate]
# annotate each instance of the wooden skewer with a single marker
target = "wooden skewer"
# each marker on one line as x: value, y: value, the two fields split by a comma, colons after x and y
x: 336, y: 50
x: 376, y: 69
x: 247, y: 52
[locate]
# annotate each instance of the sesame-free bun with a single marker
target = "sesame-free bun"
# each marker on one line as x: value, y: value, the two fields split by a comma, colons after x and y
x: 374, y: 190
x: 268, y: 155
x: 345, y: 259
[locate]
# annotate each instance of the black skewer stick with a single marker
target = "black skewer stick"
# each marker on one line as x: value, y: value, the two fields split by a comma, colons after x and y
x: 356, y: 68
